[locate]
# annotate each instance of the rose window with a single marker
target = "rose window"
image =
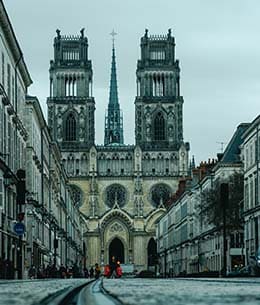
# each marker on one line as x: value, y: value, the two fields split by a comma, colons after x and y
x: 115, y: 195
x: 160, y: 194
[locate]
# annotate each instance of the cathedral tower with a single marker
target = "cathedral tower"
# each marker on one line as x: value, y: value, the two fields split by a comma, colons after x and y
x: 71, y: 105
x: 114, y: 118
x: 158, y: 105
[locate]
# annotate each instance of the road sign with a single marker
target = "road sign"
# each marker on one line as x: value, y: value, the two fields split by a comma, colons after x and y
x: 19, y: 228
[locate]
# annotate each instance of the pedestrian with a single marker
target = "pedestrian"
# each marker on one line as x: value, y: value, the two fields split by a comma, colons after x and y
x: 107, y: 271
x: 86, y: 273
x: 91, y: 272
x: 70, y: 272
x: 7, y: 269
x: 97, y: 271
x: 62, y: 271
x: 75, y: 270
x: 113, y: 267
x: 119, y: 270
x: 32, y: 272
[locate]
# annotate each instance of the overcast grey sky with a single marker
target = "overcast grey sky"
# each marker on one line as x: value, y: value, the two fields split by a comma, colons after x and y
x: 217, y: 43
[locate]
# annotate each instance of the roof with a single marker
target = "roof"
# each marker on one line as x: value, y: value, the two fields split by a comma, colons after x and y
x: 252, y: 126
x: 232, y: 151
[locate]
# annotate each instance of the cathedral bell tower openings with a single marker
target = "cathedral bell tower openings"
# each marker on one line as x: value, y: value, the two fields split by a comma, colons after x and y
x: 158, y: 105
x: 70, y: 128
x: 71, y: 106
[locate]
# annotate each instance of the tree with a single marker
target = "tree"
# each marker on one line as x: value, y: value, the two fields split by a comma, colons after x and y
x: 211, y: 208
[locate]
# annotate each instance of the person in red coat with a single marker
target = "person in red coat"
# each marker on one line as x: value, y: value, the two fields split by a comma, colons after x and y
x: 107, y: 271
x: 119, y: 270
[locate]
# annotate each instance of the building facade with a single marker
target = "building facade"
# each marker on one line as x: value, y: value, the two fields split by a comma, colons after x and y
x: 251, y: 158
x: 14, y: 81
x: 54, y: 224
x: 124, y: 188
x: 187, y: 243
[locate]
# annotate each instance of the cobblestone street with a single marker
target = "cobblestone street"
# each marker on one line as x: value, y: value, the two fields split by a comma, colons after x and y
x: 32, y: 292
x: 143, y: 291
x: 185, y: 291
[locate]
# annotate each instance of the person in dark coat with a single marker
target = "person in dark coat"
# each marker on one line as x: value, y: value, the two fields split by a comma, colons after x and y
x: 113, y: 265
x: 97, y: 271
x: 91, y: 272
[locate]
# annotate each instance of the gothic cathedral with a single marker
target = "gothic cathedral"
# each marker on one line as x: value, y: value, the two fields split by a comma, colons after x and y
x: 122, y: 189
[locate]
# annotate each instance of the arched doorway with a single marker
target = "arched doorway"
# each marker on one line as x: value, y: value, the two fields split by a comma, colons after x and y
x: 116, y: 248
x: 152, y: 253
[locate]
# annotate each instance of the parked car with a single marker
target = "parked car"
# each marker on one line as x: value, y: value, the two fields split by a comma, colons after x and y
x: 241, y: 272
x: 254, y: 262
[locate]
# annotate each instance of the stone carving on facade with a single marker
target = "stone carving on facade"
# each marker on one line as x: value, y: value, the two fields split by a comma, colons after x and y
x: 84, y: 164
x: 93, y: 205
x: 59, y: 124
x: 116, y: 227
x: 93, y: 184
x: 148, y: 123
x: 138, y: 122
x: 170, y: 132
x: 81, y: 123
x: 170, y: 121
x: 70, y: 164
x: 138, y: 184
x: 139, y: 205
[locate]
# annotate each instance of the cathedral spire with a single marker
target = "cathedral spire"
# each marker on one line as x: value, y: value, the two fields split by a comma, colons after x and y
x: 114, y: 118
x: 113, y: 95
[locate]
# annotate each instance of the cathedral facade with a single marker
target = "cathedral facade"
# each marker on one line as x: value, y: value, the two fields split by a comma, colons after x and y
x: 123, y: 189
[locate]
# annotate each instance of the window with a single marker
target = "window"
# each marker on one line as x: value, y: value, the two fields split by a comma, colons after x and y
x: 3, y: 69
x: 9, y: 81
x: 70, y: 128
x: 157, y: 55
x: 251, y: 154
x: 115, y: 193
x: 159, y: 127
x: 1, y: 192
x: 13, y: 97
x: 70, y: 86
x: 1, y: 128
x: 160, y: 194
x: 158, y: 85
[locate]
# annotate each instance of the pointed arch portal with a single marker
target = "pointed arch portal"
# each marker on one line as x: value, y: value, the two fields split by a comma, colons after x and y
x: 116, y: 248
x: 152, y: 253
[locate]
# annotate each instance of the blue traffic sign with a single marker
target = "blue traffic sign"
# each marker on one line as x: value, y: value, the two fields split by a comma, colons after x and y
x: 19, y: 228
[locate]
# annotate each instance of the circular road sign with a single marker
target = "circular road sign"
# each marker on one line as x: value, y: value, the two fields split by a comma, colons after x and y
x: 19, y: 228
